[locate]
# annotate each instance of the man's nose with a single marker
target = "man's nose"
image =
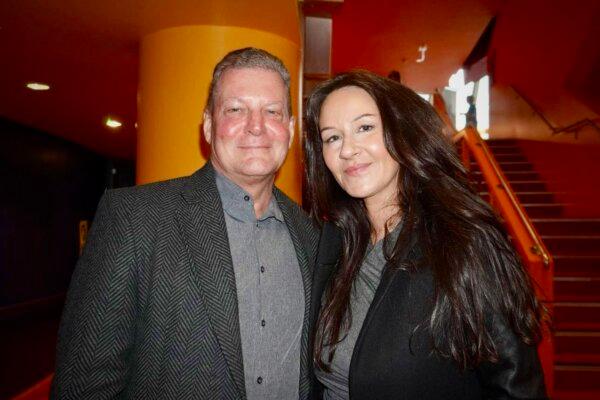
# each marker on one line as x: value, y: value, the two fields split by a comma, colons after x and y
x: 255, y: 123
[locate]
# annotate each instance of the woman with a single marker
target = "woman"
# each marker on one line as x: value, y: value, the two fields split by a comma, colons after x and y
x: 418, y: 293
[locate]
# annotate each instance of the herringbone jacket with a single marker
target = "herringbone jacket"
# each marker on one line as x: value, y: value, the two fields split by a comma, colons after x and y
x: 152, y: 309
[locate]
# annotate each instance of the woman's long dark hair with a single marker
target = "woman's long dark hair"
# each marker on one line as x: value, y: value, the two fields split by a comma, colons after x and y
x: 476, y: 271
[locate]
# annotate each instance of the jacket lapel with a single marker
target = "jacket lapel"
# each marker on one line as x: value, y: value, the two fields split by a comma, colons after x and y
x: 328, y: 255
x: 306, y: 272
x: 205, y: 234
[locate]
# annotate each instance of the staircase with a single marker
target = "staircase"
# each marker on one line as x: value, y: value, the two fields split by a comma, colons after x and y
x: 575, y: 246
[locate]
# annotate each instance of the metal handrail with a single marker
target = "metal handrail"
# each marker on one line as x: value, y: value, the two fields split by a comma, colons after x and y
x: 574, y: 128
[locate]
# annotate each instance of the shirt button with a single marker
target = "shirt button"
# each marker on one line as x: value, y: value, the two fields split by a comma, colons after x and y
x: 247, y: 198
x: 263, y: 322
x: 259, y: 380
x: 262, y: 268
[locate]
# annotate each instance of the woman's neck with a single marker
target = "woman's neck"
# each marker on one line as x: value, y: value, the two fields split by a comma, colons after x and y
x: 383, y: 216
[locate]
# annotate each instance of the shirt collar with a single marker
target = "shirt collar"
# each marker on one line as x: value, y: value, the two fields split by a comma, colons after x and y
x: 238, y: 204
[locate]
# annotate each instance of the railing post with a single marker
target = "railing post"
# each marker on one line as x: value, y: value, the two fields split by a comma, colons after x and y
x: 466, y: 159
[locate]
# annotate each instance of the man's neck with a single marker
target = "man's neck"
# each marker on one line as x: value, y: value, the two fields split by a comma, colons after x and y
x: 260, y: 192
x: 260, y: 189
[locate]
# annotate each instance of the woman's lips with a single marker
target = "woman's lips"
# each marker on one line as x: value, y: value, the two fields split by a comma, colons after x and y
x: 356, y: 169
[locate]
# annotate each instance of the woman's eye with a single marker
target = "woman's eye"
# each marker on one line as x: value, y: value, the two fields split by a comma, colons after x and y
x: 331, y: 139
x: 365, y: 128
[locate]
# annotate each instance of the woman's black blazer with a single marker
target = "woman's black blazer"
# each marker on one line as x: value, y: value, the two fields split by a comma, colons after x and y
x: 392, y: 358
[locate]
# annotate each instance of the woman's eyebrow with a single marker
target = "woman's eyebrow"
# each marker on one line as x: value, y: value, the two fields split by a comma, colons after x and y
x: 354, y: 120
x: 362, y: 116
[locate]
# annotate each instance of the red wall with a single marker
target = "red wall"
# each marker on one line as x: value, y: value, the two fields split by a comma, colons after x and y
x: 381, y: 35
x: 548, y: 50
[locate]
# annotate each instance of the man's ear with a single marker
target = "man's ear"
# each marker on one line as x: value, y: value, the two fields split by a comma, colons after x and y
x: 291, y: 127
x: 207, y: 127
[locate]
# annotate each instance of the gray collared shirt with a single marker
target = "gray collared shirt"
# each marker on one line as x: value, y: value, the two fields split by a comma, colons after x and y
x: 270, y: 294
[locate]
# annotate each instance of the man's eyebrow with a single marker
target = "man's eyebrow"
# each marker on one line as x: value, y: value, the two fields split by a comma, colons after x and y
x: 226, y: 99
x: 275, y: 103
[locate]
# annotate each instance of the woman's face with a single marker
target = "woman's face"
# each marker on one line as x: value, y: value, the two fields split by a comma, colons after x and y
x: 353, y: 146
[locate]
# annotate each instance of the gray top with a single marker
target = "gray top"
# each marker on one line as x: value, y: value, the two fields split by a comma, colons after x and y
x: 363, y: 291
x: 270, y: 294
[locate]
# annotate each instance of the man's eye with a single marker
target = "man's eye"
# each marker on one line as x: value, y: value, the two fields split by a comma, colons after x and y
x: 233, y: 110
x: 365, y: 128
x: 274, y: 112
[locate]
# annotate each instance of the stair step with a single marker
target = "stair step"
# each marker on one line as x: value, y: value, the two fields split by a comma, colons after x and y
x: 517, y: 186
x: 503, y: 157
x: 540, y: 210
x: 576, y: 316
x: 527, y: 197
x: 572, y: 265
x: 577, y: 288
x: 563, y: 226
x: 573, y: 343
x: 498, y: 150
x: 577, y: 378
x: 576, y: 395
x: 522, y: 176
x: 502, y: 142
x: 535, y: 197
x: 573, y: 245
x: 528, y: 186
x: 577, y: 358
x: 508, y: 166
x: 511, y: 176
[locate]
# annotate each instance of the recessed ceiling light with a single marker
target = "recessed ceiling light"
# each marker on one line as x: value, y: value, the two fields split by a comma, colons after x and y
x: 38, y: 86
x: 112, y: 123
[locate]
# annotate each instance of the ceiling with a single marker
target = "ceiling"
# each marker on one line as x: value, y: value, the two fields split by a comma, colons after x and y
x: 88, y: 52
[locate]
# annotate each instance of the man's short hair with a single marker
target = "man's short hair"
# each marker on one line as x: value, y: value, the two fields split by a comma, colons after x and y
x: 248, y: 57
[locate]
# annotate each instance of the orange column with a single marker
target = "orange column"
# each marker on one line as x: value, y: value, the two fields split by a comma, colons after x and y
x: 175, y: 71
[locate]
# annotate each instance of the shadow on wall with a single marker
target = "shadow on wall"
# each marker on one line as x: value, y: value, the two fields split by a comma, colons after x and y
x: 511, y: 117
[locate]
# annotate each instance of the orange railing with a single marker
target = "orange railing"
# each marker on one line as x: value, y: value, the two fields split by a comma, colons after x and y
x: 525, y: 238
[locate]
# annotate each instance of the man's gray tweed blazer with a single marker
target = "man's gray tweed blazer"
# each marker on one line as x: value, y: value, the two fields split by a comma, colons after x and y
x: 152, y: 309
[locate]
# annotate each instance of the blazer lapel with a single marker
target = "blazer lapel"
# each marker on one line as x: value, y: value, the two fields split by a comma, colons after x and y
x: 306, y: 272
x: 205, y: 233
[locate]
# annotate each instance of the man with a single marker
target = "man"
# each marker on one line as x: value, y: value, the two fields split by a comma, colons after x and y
x: 199, y: 287
x: 471, y: 115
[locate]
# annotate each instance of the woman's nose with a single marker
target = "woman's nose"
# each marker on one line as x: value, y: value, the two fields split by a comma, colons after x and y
x: 349, y: 148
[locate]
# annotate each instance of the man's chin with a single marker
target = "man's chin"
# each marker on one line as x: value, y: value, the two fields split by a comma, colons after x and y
x: 258, y: 169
